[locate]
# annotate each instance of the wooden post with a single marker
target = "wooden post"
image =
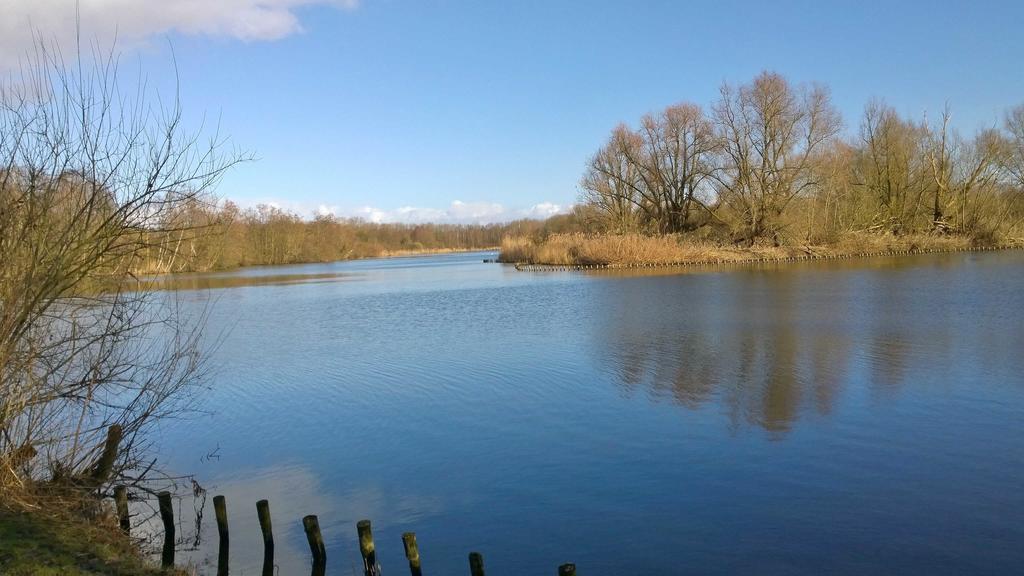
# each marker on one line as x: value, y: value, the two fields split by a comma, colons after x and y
x: 567, y: 570
x: 220, y: 508
x: 167, y: 515
x: 263, y: 511
x: 121, y: 502
x: 370, y: 566
x: 476, y: 564
x: 412, y: 553
x: 105, y: 465
x: 316, y: 541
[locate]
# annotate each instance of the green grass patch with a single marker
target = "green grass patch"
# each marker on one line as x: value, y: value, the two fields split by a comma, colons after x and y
x: 41, y: 544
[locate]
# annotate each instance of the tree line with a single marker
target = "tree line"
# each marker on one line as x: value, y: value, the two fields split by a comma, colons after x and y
x: 203, y: 235
x: 767, y: 164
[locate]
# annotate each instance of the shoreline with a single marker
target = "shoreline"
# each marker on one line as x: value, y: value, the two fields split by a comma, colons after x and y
x: 414, y: 253
x: 57, y: 535
x: 387, y: 255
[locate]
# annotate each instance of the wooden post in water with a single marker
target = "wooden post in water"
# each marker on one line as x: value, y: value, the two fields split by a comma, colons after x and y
x: 316, y: 542
x: 167, y: 515
x: 263, y: 511
x: 412, y: 553
x: 567, y: 570
x: 121, y: 502
x: 476, y: 564
x: 220, y: 509
x: 366, y: 548
x: 105, y: 465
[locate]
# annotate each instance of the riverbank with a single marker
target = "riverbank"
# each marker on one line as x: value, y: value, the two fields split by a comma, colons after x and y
x: 427, y: 252
x: 634, y: 250
x: 156, y: 271
x: 68, y: 535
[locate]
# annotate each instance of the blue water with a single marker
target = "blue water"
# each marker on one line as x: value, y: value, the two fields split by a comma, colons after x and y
x: 842, y: 418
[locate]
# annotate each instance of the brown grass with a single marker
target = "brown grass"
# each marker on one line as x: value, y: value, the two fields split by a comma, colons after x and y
x: 517, y: 249
x: 426, y: 251
x: 637, y: 249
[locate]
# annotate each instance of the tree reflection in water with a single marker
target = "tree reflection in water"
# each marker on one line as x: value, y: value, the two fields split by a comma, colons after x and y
x: 770, y: 346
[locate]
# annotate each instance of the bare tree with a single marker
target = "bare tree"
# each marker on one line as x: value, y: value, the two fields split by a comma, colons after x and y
x: 835, y: 204
x: 612, y: 183
x: 963, y: 175
x: 892, y: 169
x: 770, y: 133
x: 941, y: 154
x: 769, y: 164
x: 677, y: 164
x: 657, y: 177
x: 91, y: 168
x: 1013, y: 160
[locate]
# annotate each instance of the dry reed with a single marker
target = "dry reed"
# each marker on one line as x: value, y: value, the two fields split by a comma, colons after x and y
x: 634, y: 249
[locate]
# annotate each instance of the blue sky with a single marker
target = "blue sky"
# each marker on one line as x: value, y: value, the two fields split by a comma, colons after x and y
x: 396, y: 109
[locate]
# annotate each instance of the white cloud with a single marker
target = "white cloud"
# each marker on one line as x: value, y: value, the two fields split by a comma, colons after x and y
x: 458, y: 212
x: 325, y: 210
x: 135, y: 21
x: 546, y: 210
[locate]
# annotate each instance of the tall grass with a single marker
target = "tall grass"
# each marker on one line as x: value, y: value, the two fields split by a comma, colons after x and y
x: 632, y: 249
x: 517, y: 249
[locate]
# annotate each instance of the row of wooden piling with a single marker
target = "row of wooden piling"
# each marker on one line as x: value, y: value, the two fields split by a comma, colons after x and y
x: 745, y: 261
x: 311, y: 526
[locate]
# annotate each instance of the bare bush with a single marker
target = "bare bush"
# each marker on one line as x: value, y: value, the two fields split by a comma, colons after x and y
x: 90, y: 169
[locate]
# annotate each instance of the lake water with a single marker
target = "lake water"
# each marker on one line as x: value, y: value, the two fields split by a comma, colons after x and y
x: 843, y: 418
